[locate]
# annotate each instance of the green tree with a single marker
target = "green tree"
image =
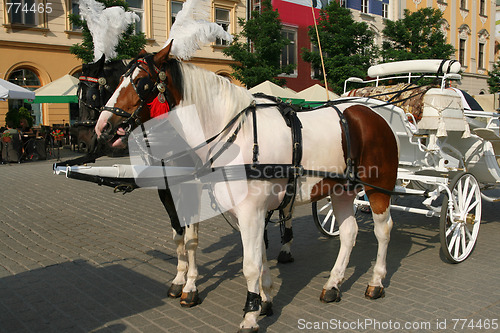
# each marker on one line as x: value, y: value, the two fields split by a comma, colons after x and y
x: 347, y: 46
x: 494, y: 79
x: 257, y: 49
x: 416, y: 36
x: 128, y: 47
x: 14, y: 116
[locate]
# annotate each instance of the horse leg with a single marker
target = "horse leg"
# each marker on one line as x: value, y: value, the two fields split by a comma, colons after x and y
x: 190, y: 296
x: 252, y: 236
x: 382, y: 228
x: 266, y: 287
x: 175, y: 289
x: 377, y: 151
x: 285, y: 255
x: 348, y: 229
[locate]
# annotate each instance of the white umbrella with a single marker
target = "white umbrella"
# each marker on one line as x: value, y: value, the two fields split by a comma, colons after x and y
x: 62, y: 90
x: 316, y: 93
x: 10, y: 90
x: 269, y: 88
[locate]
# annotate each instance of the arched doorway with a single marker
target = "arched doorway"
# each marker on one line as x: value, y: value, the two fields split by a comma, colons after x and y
x: 28, y: 79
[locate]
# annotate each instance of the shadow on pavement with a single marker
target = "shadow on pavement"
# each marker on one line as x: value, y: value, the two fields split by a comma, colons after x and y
x: 75, y: 297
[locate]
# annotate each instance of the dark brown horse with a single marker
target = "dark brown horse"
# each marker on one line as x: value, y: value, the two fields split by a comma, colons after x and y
x: 339, y: 142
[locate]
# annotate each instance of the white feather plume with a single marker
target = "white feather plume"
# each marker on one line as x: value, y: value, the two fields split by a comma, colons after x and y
x: 106, y: 26
x: 192, y: 29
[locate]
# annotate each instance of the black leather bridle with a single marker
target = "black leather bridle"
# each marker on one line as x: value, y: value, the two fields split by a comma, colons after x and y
x: 147, y: 88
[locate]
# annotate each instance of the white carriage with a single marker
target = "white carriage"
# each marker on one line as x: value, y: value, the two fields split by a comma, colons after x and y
x: 444, y: 149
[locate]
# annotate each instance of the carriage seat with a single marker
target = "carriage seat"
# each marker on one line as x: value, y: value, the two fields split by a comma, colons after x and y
x: 442, y: 109
x: 410, y: 96
x: 434, y: 109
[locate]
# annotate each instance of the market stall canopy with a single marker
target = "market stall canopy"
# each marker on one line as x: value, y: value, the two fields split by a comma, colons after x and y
x: 10, y: 90
x: 62, y: 90
x: 317, y: 93
x: 272, y: 89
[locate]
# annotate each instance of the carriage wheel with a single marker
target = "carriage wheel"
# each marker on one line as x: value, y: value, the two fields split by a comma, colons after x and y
x: 324, y: 218
x: 459, y: 228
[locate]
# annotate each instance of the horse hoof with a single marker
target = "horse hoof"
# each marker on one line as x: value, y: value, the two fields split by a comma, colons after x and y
x: 267, y: 309
x: 328, y: 296
x: 285, y: 257
x: 190, y: 299
x: 175, y: 291
x: 374, y: 292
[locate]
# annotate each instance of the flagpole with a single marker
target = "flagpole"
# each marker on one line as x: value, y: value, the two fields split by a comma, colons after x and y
x: 320, y: 52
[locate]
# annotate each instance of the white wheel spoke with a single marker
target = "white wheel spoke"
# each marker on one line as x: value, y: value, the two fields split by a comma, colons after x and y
x: 464, y: 246
x: 332, y: 226
x: 472, y: 206
x: 459, y: 195
x: 324, y: 207
x: 325, y: 220
x: 468, y: 200
x: 452, y: 242
x: 450, y: 229
x: 457, y: 242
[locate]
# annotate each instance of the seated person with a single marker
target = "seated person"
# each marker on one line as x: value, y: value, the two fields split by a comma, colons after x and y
x: 25, y: 127
x: 11, y: 144
x: 10, y: 130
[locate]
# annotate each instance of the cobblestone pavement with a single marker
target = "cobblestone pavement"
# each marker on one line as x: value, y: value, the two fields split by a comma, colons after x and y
x: 76, y: 257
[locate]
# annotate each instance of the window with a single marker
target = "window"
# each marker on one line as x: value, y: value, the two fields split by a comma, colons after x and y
x: 480, y: 56
x: 482, y: 7
x: 29, y: 80
x: 23, y: 14
x: 364, y: 6
x: 256, y: 5
x: 288, y: 53
x: 461, y: 52
x: 343, y: 3
x: 75, y: 9
x: 463, y: 4
x: 175, y: 9
x: 317, y: 71
x: 385, y: 10
x: 137, y: 6
x: 222, y: 19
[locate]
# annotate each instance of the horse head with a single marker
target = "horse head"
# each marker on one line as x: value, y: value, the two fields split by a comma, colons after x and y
x: 97, y: 83
x: 148, y: 76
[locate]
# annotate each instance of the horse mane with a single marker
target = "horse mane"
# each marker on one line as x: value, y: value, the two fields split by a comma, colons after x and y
x: 212, y: 93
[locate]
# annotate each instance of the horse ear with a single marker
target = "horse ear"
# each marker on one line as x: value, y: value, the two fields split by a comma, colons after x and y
x: 162, y: 55
x: 100, y: 62
x: 142, y: 53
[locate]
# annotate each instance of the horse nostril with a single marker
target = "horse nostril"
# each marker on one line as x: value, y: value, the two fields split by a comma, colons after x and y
x: 106, y: 128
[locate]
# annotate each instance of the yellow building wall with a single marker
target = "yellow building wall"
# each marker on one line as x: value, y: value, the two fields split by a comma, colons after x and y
x: 44, y: 48
x: 474, y: 79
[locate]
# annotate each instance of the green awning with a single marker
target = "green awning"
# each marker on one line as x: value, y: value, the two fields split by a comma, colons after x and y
x: 62, y: 90
x: 54, y: 99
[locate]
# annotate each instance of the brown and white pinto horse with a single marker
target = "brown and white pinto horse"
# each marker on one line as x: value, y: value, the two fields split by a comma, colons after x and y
x: 374, y: 152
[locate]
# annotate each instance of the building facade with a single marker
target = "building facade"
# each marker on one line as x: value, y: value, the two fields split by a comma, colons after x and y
x: 469, y: 26
x: 36, y: 36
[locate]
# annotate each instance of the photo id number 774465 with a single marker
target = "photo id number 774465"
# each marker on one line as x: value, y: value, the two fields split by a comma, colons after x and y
x: 20, y: 7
